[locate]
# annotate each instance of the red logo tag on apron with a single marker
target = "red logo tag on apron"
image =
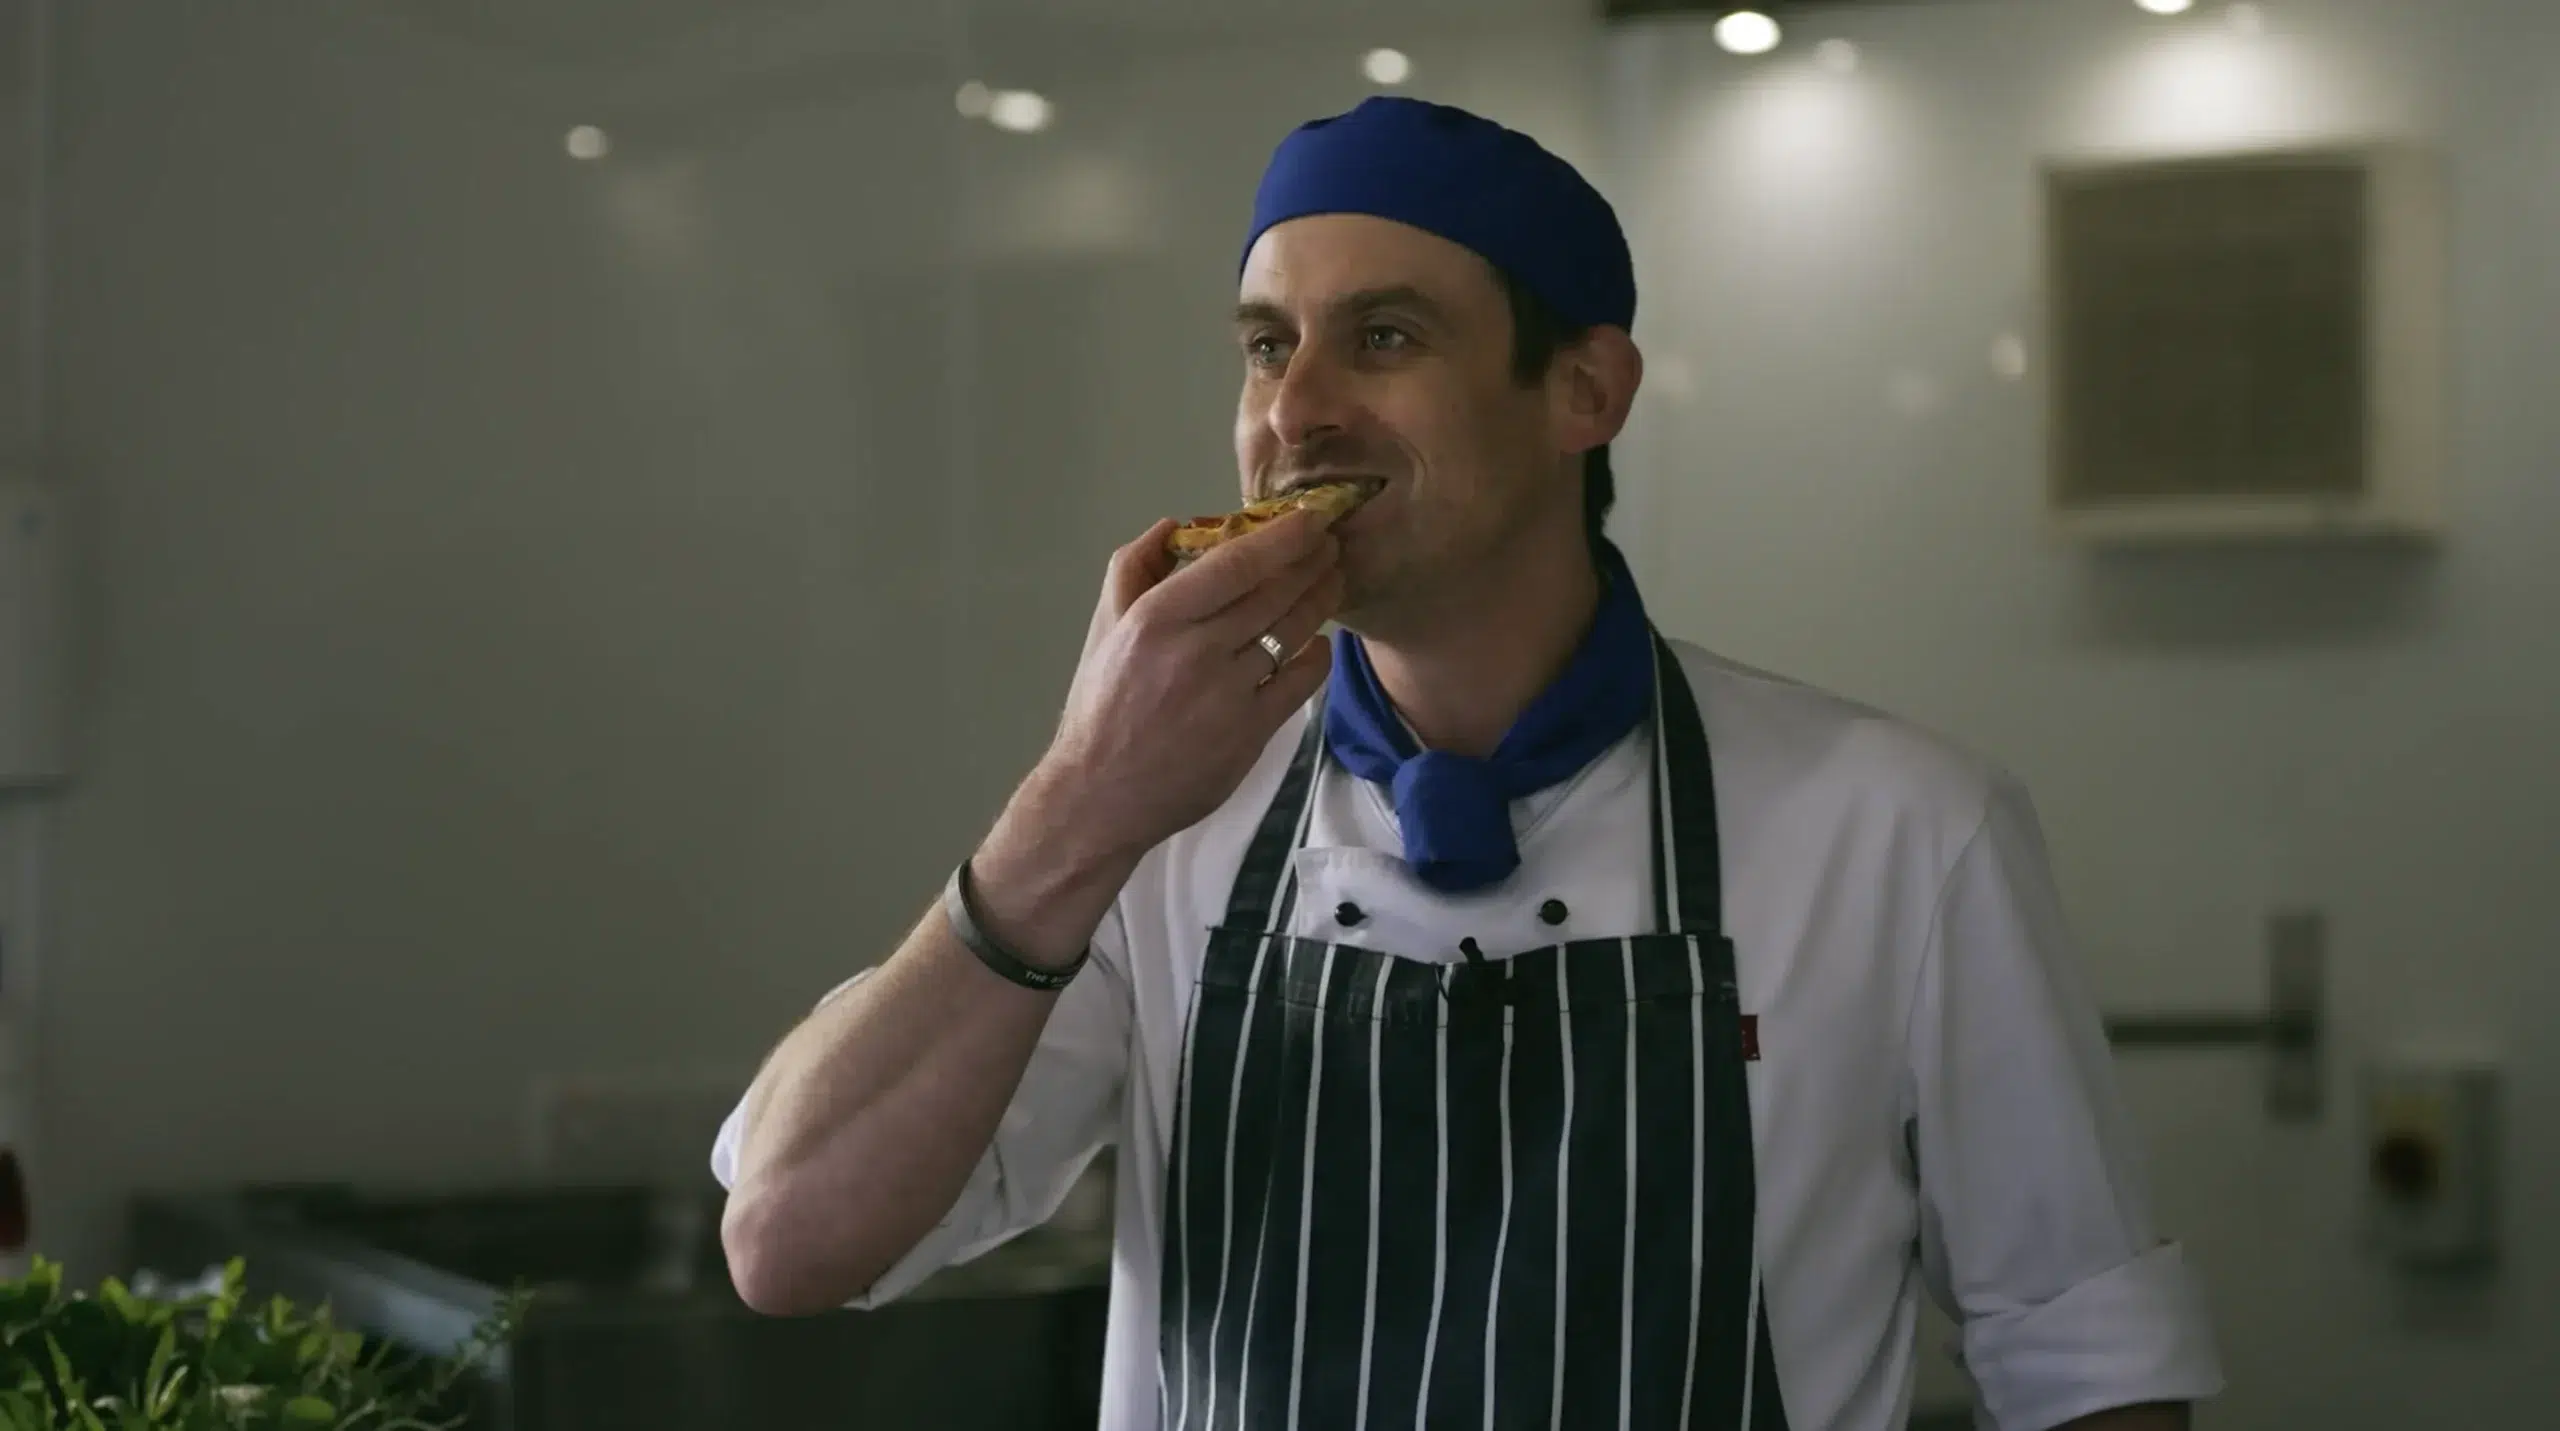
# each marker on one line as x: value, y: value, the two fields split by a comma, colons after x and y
x: 1751, y: 1038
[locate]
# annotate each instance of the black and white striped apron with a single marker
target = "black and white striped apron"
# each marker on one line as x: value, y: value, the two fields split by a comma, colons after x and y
x: 1510, y: 1193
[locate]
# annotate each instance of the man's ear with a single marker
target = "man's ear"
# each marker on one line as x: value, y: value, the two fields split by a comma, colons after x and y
x: 1594, y: 384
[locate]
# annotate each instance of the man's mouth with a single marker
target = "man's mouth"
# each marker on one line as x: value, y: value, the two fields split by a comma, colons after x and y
x: 1369, y: 486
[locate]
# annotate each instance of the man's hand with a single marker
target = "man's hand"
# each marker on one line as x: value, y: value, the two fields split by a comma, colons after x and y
x: 1170, y: 706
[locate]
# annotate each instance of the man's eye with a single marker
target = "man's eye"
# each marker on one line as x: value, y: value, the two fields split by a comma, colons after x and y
x: 1263, y: 351
x: 1379, y: 338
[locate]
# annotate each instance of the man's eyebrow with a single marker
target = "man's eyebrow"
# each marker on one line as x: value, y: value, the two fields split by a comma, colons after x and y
x: 1255, y: 312
x: 1402, y: 295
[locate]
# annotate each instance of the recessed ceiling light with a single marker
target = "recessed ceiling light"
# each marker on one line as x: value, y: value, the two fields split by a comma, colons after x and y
x: 2166, y: 7
x: 973, y: 100
x: 1838, y: 56
x: 1020, y: 111
x: 587, y: 142
x: 1747, y: 32
x: 1384, y: 66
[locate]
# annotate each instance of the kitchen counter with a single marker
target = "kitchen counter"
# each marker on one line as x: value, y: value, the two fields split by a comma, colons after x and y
x: 634, y: 1322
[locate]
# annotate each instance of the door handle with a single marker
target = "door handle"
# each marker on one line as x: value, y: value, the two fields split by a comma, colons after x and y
x: 2291, y: 1031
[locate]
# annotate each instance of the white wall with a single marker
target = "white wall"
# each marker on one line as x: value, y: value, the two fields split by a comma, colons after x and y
x: 558, y: 617
x: 1848, y: 491
x: 22, y: 99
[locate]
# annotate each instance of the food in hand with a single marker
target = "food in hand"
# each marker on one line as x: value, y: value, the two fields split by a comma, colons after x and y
x: 1335, y: 500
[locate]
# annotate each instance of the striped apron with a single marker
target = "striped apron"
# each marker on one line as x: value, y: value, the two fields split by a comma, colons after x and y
x: 1514, y: 1193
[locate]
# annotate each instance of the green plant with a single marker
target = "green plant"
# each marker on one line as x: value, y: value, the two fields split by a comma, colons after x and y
x: 115, y: 1361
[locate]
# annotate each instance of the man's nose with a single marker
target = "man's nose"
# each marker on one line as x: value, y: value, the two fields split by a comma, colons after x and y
x: 1314, y: 400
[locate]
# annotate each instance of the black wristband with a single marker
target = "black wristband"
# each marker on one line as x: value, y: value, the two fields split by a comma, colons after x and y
x: 960, y: 906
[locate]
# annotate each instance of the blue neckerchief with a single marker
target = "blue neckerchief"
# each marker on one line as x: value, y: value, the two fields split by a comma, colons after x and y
x: 1456, y: 810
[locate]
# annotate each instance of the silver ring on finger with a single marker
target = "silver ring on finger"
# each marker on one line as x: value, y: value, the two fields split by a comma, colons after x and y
x: 1278, y: 653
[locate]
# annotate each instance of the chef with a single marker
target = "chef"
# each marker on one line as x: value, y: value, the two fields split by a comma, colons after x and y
x: 1504, y: 1015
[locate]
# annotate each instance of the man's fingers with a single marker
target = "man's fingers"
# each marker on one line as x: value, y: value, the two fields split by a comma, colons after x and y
x: 1134, y: 570
x: 1299, y: 678
x: 1139, y: 567
x: 1294, y: 624
x: 1230, y: 572
x: 1266, y: 606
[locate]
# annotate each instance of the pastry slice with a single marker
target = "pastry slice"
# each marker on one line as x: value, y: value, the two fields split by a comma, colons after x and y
x: 1335, y: 500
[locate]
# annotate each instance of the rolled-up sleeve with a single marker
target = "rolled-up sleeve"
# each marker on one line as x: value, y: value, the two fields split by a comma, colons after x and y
x: 2036, y: 1233
x: 1064, y: 1112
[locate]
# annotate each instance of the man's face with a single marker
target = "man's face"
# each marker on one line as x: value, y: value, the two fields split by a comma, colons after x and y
x: 1372, y: 349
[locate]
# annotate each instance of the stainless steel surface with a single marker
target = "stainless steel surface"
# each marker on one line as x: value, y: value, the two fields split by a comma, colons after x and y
x: 634, y: 1322
x: 2290, y: 1033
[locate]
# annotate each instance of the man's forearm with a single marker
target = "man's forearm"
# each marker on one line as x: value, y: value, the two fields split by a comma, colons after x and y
x: 864, y: 1124
x: 2161, y: 1416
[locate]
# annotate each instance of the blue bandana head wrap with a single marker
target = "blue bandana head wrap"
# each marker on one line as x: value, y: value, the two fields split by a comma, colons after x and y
x: 1469, y: 180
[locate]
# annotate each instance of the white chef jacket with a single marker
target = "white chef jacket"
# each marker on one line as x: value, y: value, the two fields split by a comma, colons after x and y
x: 1932, y: 1108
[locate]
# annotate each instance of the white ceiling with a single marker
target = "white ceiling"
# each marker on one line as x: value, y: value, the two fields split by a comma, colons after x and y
x: 614, y: 33
x: 699, y: 68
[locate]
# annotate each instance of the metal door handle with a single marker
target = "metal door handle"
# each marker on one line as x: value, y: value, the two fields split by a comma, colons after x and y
x: 2291, y: 1030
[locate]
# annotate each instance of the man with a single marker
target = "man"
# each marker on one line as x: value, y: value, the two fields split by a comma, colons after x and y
x: 1504, y: 1016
